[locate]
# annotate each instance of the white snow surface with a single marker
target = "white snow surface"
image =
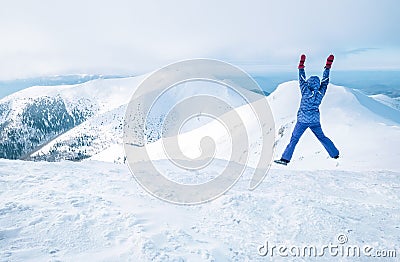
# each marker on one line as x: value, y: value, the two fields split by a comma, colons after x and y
x: 95, y: 210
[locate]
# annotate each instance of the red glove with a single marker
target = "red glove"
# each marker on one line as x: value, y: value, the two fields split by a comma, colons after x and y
x: 329, y: 61
x: 302, y: 60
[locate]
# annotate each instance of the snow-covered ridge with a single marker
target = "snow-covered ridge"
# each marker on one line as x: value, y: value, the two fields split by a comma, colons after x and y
x: 34, y: 117
x: 107, y: 93
x: 389, y: 101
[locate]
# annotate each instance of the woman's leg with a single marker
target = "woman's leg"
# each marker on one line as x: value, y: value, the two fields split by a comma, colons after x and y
x: 297, y: 133
x: 326, y: 142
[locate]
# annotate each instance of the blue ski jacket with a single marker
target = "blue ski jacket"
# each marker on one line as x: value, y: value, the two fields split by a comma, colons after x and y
x: 312, y: 92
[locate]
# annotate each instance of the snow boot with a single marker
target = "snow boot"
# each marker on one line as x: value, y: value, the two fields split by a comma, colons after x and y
x: 282, y: 161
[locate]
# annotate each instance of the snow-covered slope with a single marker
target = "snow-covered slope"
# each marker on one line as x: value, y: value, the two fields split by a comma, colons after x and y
x: 27, y: 122
x: 37, y: 116
x: 95, y: 211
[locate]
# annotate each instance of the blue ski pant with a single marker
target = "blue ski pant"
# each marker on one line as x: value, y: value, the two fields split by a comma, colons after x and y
x: 317, y: 130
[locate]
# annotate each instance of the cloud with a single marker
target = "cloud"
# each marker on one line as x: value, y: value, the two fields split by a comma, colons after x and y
x: 121, y: 36
x: 359, y: 50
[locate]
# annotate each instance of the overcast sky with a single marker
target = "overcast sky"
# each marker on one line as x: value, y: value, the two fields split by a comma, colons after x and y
x: 129, y: 37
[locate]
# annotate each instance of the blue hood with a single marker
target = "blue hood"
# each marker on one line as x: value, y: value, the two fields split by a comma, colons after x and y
x: 313, y: 83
